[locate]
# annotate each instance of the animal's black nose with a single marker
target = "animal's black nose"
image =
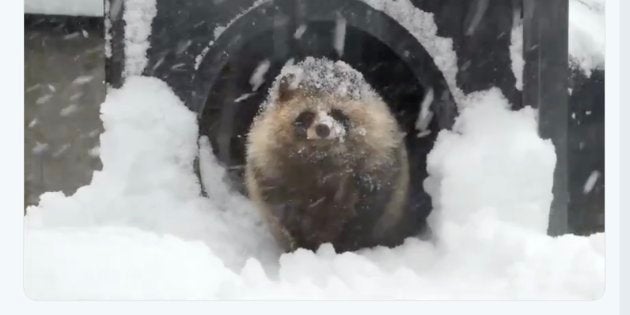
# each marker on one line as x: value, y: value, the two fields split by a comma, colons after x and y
x: 322, y: 131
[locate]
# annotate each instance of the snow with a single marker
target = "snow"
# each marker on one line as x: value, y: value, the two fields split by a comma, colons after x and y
x: 425, y: 115
x: 39, y: 148
x: 587, y: 34
x: 202, y: 54
x: 423, y: 134
x: 112, y: 12
x: 32, y: 88
x: 182, y: 46
x: 68, y: 110
x: 243, y: 97
x: 218, y: 30
x: 500, y: 148
x: 74, y: 97
x: 72, y: 35
x: 258, y: 76
x: 93, y: 133
x: 43, y: 99
x: 335, y: 78
x: 337, y: 131
x: 586, y: 37
x: 481, y: 7
x: 142, y: 230
x: 587, y: 29
x: 138, y: 16
x: 95, y: 151
x: 516, y: 54
x: 147, y: 179
x: 111, y: 262
x: 83, y: 79
x: 299, y: 31
x: 340, y: 34
x: 61, y: 150
x: 422, y: 26
x: 591, y: 181
x: 64, y: 7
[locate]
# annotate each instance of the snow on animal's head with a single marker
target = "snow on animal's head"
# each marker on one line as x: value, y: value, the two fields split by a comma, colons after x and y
x: 321, y: 75
x: 323, y: 105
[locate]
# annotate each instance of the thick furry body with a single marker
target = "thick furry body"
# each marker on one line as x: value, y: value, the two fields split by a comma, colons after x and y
x: 347, y: 187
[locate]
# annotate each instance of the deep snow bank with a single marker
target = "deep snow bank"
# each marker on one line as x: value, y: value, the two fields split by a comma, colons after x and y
x: 493, y: 163
x: 148, y: 183
x: 141, y: 229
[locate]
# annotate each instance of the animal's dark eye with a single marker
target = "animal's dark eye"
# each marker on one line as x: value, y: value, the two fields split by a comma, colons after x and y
x: 339, y: 116
x: 305, y: 119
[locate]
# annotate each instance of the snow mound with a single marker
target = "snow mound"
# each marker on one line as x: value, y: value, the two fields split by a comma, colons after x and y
x: 587, y: 34
x: 492, y: 163
x: 148, y: 181
x: 141, y: 229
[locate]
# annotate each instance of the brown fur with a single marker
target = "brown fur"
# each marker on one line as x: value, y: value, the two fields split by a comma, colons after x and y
x: 351, y: 192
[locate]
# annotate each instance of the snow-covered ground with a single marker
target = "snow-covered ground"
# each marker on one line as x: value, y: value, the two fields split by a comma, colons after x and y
x: 142, y: 230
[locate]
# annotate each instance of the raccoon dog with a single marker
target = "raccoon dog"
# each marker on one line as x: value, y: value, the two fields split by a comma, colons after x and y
x: 326, y: 161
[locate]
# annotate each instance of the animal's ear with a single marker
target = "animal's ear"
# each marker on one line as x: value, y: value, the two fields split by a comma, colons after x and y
x: 287, y: 88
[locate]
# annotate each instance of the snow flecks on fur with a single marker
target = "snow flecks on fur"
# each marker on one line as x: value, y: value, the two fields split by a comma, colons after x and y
x: 335, y: 78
